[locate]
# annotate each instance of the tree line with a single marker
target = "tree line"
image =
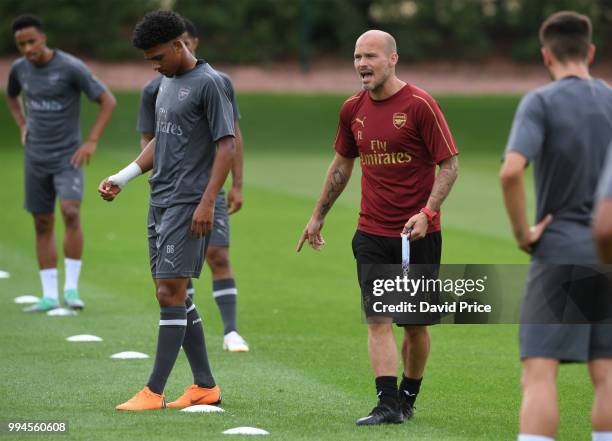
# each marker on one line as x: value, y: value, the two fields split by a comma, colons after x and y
x: 263, y: 31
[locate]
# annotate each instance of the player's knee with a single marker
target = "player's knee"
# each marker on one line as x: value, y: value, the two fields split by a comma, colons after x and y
x: 603, y: 387
x: 166, y: 295
x: 416, y: 332
x: 380, y: 328
x: 218, y: 259
x: 538, y: 374
x: 43, y: 224
x: 534, y: 382
x: 70, y: 213
x: 601, y: 376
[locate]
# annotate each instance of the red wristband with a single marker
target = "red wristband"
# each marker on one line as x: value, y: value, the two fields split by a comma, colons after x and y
x: 431, y: 215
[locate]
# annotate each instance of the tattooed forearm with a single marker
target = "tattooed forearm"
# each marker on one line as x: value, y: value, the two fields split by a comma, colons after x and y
x: 338, y: 175
x: 445, y: 179
x: 337, y: 182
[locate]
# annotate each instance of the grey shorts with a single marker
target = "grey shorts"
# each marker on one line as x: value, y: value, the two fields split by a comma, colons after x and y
x: 220, y: 236
x: 554, y: 323
x: 42, y: 186
x: 173, y: 251
x: 567, y: 343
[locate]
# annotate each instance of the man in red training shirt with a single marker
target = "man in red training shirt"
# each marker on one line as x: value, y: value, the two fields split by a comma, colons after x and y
x: 399, y: 134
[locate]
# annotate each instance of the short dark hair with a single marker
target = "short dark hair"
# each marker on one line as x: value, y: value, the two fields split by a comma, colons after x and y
x: 26, y: 21
x: 190, y: 28
x: 156, y: 28
x: 568, y: 35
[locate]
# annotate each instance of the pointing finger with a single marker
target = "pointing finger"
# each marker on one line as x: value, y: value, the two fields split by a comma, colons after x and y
x: 301, y: 241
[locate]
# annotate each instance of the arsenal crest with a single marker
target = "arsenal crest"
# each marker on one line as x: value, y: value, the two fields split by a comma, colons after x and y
x: 54, y: 77
x: 183, y: 93
x: 399, y: 120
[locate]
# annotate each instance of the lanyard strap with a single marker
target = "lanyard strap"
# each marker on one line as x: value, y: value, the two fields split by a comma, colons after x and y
x: 405, y: 254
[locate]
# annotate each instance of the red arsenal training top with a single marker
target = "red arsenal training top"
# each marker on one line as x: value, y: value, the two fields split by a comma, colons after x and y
x: 399, y: 141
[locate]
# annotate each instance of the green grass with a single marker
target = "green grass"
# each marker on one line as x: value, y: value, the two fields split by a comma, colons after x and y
x: 308, y: 375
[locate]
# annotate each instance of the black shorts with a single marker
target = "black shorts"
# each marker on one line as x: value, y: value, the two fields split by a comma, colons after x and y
x: 369, y: 248
x: 376, y: 256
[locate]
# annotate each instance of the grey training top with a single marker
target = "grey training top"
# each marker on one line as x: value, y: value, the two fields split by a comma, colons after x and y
x: 565, y: 128
x: 604, y: 190
x: 192, y: 114
x: 146, y: 115
x: 52, y: 96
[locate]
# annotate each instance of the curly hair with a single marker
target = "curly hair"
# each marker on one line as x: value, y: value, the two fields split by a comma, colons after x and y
x: 190, y: 28
x: 26, y: 21
x: 156, y: 28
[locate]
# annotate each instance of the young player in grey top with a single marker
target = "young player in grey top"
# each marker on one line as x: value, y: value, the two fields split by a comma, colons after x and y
x: 603, y: 212
x: 190, y: 155
x: 217, y: 256
x: 564, y: 129
x: 50, y: 82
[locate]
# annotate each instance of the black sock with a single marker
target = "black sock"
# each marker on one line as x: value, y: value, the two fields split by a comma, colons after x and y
x: 194, y: 346
x: 225, y: 293
x: 386, y: 389
x: 190, y: 289
x: 412, y: 387
x: 172, y: 323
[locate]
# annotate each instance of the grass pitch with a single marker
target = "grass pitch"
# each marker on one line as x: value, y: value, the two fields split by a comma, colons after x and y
x: 307, y: 376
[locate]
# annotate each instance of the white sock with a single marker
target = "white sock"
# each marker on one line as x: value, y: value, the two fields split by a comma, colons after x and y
x: 602, y: 436
x: 48, y: 279
x: 73, y: 269
x: 523, y: 437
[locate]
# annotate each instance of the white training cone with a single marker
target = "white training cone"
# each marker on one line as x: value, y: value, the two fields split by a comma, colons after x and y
x: 246, y: 431
x: 4, y: 275
x: 128, y: 355
x: 26, y: 299
x: 203, y: 408
x: 83, y: 337
x: 61, y: 312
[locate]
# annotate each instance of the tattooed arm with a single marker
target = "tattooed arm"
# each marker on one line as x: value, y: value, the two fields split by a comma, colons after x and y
x: 338, y: 175
x: 449, y: 170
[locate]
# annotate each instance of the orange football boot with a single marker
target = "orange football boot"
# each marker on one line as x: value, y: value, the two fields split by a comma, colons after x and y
x: 146, y: 399
x: 195, y: 395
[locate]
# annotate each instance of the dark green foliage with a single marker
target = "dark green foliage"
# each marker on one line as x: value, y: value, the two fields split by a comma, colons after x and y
x: 97, y: 29
x: 256, y: 31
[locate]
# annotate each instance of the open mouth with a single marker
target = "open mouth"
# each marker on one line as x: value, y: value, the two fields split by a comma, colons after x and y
x: 366, y: 75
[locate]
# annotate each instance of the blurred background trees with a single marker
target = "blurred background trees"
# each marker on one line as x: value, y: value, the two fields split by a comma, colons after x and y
x: 261, y: 31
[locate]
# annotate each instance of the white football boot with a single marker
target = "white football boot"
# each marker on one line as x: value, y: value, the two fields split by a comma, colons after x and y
x: 233, y: 342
